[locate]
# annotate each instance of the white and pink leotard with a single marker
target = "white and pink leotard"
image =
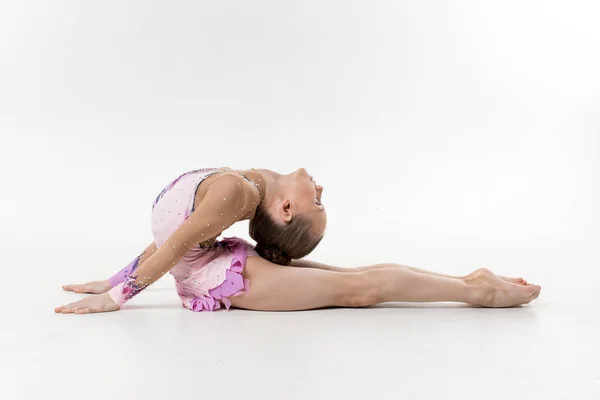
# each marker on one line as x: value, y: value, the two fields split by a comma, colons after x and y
x: 209, y: 271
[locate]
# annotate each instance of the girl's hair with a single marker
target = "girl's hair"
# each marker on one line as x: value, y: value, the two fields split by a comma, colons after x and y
x: 282, y: 243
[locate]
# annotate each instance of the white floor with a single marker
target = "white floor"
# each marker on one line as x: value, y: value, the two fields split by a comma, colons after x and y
x: 155, y: 349
x: 448, y: 135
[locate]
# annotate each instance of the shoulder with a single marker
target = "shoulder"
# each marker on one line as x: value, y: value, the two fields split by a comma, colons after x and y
x: 227, y: 183
x: 236, y: 186
x: 232, y: 190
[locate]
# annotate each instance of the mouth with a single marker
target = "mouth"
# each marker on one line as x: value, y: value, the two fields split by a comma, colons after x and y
x: 312, y: 179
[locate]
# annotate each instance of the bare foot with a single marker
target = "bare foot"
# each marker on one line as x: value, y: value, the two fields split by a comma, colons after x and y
x: 497, y: 292
x: 518, y: 281
x: 95, y: 287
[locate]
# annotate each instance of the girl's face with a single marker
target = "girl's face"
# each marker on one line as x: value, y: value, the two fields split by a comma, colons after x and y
x: 305, y: 197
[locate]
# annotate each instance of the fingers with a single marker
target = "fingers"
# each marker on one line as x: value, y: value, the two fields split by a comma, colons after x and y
x: 92, y: 304
x: 71, y: 307
x: 95, y: 287
x: 78, y: 288
x: 63, y: 310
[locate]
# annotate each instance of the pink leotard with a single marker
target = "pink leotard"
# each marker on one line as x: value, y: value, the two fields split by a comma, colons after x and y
x: 206, y: 271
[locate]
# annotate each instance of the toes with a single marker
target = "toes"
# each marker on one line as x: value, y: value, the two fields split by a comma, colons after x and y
x: 520, y: 281
x: 516, y: 281
x: 535, y: 291
x: 526, y: 293
x: 532, y: 288
x: 534, y: 295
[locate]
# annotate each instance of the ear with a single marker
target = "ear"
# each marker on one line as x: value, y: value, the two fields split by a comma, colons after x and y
x: 286, y: 210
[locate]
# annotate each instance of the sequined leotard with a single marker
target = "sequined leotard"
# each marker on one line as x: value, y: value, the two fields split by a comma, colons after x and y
x: 186, y: 220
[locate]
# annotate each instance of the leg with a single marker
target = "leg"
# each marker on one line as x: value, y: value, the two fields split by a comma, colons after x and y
x: 278, y: 288
x: 419, y: 270
x: 303, y: 263
x: 518, y: 280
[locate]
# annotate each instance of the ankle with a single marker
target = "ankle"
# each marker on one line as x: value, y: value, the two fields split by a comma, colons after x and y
x: 477, y: 293
x: 484, y: 296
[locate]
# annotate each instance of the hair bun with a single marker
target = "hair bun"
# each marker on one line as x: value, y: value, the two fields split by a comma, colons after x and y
x: 273, y: 254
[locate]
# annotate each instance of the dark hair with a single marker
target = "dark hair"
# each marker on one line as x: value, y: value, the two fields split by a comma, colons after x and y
x: 282, y: 243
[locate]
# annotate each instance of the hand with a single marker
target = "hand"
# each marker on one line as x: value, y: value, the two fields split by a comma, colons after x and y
x: 91, y: 304
x: 95, y: 287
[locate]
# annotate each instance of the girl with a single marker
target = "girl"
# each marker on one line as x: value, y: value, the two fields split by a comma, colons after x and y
x: 287, y: 220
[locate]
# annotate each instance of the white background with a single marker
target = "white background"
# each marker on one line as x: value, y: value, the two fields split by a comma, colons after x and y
x: 448, y: 135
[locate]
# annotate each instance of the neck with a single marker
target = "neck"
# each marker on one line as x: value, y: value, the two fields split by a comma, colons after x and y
x: 268, y: 174
x: 265, y: 179
x: 272, y: 182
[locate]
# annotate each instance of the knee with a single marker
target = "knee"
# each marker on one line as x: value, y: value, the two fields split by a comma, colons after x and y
x: 359, y: 289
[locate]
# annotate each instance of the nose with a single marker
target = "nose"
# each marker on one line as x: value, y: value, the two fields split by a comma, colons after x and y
x: 302, y: 171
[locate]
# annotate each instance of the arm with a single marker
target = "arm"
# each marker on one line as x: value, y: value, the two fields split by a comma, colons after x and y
x: 222, y: 206
x: 104, y: 286
x: 132, y: 266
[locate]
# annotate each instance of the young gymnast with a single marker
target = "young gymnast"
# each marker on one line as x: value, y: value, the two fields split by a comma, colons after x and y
x: 287, y: 220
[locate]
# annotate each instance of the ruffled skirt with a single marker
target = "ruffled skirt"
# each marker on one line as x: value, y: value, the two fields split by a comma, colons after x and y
x: 206, y: 280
